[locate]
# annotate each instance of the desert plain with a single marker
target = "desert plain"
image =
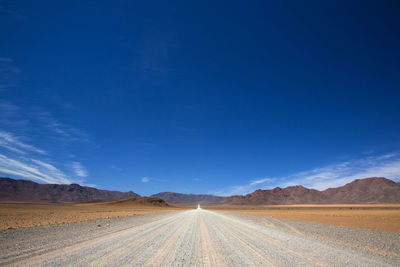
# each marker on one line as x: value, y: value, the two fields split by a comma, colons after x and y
x: 378, y: 217
x: 24, y: 215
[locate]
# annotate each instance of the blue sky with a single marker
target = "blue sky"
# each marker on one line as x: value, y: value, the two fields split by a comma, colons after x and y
x: 204, y: 97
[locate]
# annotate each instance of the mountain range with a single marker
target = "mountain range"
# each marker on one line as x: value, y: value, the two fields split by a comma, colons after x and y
x: 368, y: 190
x: 187, y: 199
x: 138, y: 201
x: 27, y: 191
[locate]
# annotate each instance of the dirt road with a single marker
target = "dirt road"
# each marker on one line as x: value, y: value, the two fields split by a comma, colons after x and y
x: 197, y: 238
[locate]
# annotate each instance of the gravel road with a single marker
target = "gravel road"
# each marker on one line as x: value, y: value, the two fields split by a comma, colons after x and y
x: 197, y: 238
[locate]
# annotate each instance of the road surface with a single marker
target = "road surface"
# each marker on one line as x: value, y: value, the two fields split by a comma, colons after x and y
x: 197, y: 238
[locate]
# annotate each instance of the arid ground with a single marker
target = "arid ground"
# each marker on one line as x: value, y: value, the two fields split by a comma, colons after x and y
x: 372, y: 217
x: 22, y: 215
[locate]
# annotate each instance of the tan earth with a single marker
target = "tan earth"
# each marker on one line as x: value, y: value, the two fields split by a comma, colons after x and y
x: 372, y: 217
x: 22, y: 215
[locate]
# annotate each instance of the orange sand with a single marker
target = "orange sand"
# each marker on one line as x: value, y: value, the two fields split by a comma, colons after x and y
x: 21, y: 215
x: 373, y: 217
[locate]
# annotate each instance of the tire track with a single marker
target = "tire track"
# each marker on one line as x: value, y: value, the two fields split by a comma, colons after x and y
x: 139, y: 243
x: 250, y: 235
x: 38, y: 259
x: 209, y: 255
x: 157, y: 258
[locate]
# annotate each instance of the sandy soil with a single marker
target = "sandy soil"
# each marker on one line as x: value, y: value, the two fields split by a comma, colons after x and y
x: 22, y: 215
x: 372, y: 217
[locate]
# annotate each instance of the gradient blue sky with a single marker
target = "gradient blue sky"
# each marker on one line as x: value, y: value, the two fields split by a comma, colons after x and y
x: 199, y: 97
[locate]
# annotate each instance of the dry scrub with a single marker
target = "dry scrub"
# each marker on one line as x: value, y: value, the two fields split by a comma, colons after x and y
x: 373, y: 217
x: 21, y: 215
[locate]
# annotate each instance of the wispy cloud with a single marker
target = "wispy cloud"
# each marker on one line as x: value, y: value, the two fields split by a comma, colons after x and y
x: 334, y: 175
x: 79, y: 170
x: 11, y: 116
x: 23, y: 131
x: 21, y: 157
x: 145, y: 179
x: 32, y: 169
x: 39, y: 120
x: 62, y: 130
x: 10, y: 142
x: 244, y: 189
x: 22, y: 161
x: 8, y: 109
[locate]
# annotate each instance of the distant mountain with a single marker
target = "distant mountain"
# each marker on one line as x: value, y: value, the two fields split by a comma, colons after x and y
x: 139, y: 201
x: 368, y: 190
x: 277, y: 196
x: 28, y: 191
x: 187, y: 199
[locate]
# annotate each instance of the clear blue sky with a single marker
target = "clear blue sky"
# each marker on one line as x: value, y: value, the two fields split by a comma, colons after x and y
x: 199, y: 97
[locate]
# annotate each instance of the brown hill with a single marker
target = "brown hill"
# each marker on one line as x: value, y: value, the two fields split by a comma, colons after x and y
x: 27, y: 191
x: 187, y: 199
x: 277, y: 196
x: 139, y: 201
x: 369, y: 190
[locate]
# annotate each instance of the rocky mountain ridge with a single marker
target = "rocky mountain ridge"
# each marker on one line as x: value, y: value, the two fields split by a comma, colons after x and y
x: 188, y: 199
x: 27, y: 191
x: 360, y: 191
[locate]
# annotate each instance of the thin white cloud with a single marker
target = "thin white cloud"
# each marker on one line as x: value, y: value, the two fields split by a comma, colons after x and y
x: 11, y: 117
x: 21, y: 128
x: 23, y: 160
x: 334, y: 175
x: 62, y: 131
x: 8, y: 109
x: 244, y: 189
x: 32, y: 169
x: 79, y: 170
x: 145, y: 179
x: 37, y: 121
x: 10, y: 142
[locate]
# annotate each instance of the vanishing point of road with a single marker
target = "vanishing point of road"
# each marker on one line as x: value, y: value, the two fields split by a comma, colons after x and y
x: 197, y: 238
